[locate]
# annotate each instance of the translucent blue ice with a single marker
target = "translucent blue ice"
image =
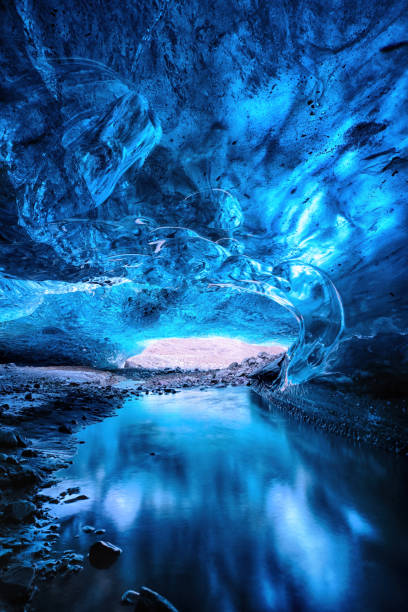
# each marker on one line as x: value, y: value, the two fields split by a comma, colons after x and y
x: 232, y: 168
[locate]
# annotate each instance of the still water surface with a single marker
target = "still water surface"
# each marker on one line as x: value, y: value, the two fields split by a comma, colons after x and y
x: 238, y: 509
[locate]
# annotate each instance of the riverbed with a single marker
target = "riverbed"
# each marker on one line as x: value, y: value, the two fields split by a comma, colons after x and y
x: 222, y: 503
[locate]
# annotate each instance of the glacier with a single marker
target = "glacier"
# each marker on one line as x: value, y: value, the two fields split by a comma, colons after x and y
x: 234, y: 168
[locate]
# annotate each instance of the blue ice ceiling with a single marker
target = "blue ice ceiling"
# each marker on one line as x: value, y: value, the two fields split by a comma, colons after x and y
x: 161, y: 161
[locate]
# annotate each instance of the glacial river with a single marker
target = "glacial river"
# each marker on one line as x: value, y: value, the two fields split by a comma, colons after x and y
x: 222, y: 503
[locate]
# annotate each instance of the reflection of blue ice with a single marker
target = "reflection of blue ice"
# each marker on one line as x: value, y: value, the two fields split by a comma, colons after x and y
x: 238, y: 509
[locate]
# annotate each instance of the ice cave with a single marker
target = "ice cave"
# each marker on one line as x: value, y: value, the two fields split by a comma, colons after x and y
x: 203, y: 305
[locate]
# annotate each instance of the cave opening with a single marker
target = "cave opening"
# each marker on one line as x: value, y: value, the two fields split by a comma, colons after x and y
x: 209, y: 353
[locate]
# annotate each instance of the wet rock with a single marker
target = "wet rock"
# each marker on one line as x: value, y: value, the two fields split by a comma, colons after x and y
x: 271, y: 371
x: 64, y: 428
x: 129, y: 598
x: 20, y: 475
x: 29, y: 452
x: 99, y: 531
x: 28, y: 396
x: 10, y: 439
x: 103, y: 554
x: 75, y: 499
x: 16, y: 583
x: 12, y: 459
x: 20, y: 511
x: 45, y: 499
x: 88, y: 529
x: 150, y: 601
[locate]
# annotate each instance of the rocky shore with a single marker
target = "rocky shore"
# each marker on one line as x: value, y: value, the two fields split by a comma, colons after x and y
x: 41, y: 410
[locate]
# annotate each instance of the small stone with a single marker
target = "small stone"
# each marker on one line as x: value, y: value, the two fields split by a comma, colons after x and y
x: 150, y: 601
x: 88, y: 529
x: 67, y: 429
x: 28, y: 396
x: 129, y: 598
x: 103, y: 554
x: 99, y: 531
x: 75, y: 499
x: 12, y: 459
x: 29, y: 452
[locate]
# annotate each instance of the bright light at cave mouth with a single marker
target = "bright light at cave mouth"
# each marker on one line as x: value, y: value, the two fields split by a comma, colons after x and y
x: 213, y: 352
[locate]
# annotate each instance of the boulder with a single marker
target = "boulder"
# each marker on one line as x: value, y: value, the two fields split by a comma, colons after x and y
x: 20, y: 511
x: 103, y: 554
x: 16, y: 583
x: 10, y: 439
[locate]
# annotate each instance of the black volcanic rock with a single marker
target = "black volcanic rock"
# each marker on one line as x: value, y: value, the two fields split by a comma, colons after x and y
x: 103, y: 554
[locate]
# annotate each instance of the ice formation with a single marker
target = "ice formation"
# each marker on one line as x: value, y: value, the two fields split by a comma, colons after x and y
x: 230, y: 168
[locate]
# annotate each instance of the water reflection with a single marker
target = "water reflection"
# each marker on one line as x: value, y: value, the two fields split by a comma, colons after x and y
x: 238, y: 509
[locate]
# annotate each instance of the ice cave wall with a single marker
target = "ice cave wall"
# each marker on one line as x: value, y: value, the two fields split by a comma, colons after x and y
x: 273, y: 130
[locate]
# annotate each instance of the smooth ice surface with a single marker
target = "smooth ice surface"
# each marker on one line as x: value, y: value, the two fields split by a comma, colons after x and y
x: 237, y: 510
x: 161, y: 162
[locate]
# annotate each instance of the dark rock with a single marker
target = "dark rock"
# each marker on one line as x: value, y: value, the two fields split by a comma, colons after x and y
x: 10, y: 439
x: 24, y: 475
x: 28, y: 396
x: 103, y: 554
x: 29, y: 452
x: 150, y: 601
x: 99, y: 531
x: 88, y: 529
x: 20, y: 511
x: 270, y: 372
x: 16, y: 583
x: 75, y: 499
x: 65, y: 429
x: 12, y: 459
